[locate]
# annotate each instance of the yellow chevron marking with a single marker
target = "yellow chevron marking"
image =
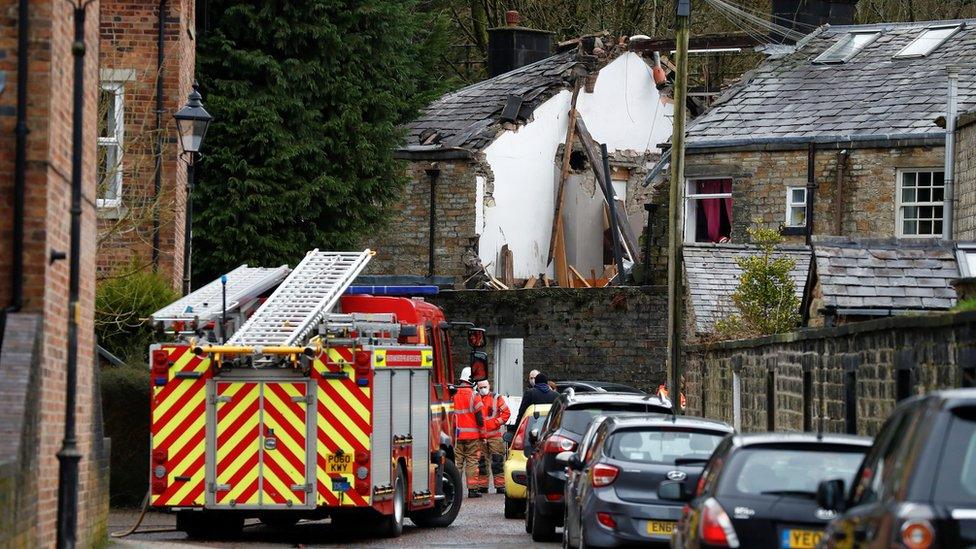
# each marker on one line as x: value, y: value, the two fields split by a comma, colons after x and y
x: 226, y: 421
x: 319, y: 365
x: 337, y: 357
x: 284, y: 439
x: 283, y: 488
x: 180, y: 363
x: 198, y: 425
x: 340, y: 441
x: 350, y: 399
x: 196, y: 477
x: 181, y: 415
x: 183, y: 385
x: 236, y: 491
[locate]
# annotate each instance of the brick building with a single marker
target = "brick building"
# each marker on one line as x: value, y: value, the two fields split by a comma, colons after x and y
x: 141, y: 194
x: 36, y: 58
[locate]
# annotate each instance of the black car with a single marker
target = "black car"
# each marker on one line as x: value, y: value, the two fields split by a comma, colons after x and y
x: 917, y: 486
x: 612, y: 493
x: 596, y: 387
x: 760, y: 490
x: 568, y: 419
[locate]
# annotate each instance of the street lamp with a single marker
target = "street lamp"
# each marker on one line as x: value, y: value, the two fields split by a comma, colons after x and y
x: 192, y: 122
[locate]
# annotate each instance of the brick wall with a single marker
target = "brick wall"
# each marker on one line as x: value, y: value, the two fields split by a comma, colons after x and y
x: 877, y: 361
x: 128, y: 57
x: 965, y: 214
x: 609, y: 334
x: 47, y: 229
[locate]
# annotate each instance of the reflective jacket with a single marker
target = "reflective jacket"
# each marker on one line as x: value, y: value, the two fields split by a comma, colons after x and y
x: 496, y: 415
x: 468, y: 414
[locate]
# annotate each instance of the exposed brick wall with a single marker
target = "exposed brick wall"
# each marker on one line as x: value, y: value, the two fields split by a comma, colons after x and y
x: 609, y: 334
x: 965, y: 214
x: 128, y: 52
x: 931, y: 351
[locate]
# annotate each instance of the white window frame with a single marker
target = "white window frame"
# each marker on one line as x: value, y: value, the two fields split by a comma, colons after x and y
x: 902, y: 55
x: 790, y: 205
x: 118, y: 88
x: 691, y: 214
x: 824, y: 58
x: 899, y: 204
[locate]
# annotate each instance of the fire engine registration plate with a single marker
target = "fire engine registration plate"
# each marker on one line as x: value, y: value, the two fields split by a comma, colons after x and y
x: 660, y: 527
x: 339, y: 463
x: 799, y: 539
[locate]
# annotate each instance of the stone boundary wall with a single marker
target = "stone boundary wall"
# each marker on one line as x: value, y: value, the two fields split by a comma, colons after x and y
x: 843, y: 379
x: 607, y: 334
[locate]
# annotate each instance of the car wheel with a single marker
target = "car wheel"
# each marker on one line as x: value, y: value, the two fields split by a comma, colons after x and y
x: 447, y: 509
x: 543, y: 527
x: 514, y: 508
x: 391, y: 526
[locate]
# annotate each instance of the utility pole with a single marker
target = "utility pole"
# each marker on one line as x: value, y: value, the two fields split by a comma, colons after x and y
x: 676, y: 198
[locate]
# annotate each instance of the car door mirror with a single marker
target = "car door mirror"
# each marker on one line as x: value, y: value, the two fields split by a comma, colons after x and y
x: 575, y: 463
x: 533, y: 437
x: 830, y: 495
x: 674, y: 490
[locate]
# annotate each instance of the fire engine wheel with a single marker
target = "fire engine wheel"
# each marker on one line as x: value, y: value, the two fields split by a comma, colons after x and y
x: 447, y: 509
x: 391, y: 526
x: 206, y: 525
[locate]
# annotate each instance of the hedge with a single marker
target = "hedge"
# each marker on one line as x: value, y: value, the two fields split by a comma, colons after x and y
x: 125, y: 405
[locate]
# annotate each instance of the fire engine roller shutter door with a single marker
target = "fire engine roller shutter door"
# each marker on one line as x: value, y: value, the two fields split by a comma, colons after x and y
x: 419, y: 427
x: 401, y: 402
x: 235, y: 444
x: 382, y: 437
x: 284, y: 444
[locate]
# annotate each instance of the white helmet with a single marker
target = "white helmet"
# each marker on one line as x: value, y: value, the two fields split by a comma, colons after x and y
x: 465, y: 374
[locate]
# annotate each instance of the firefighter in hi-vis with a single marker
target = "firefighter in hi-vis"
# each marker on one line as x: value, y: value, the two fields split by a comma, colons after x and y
x: 496, y: 416
x: 470, y: 424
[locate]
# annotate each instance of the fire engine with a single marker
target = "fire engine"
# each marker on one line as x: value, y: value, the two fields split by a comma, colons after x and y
x: 323, y: 402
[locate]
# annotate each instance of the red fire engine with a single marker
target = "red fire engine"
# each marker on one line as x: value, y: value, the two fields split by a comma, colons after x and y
x: 320, y: 404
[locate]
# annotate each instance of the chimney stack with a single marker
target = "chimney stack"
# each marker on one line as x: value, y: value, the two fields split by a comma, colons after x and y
x: 512, y: 46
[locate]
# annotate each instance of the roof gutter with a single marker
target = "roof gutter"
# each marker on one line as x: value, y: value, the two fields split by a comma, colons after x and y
x: 424, y: 152
x: 837, y: 140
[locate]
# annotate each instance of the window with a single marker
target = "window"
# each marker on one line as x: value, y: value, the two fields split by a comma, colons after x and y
x: 664, y: 446
x: 920, y: 201
x: 931, y: 38
x: 847, y: 47
x: 110, y: 138
x: 708, y: 210
x: 956, y: 483
x: 796, y: 206
x: 789, y: 472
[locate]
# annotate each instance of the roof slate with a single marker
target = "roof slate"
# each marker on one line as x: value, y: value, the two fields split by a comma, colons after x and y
x: 790, y: 98
x: 713, y: 275
x: 885, y: 274
x: 469, y: 118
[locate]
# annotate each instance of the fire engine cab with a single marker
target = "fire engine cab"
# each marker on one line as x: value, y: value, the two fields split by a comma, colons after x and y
x: 322, y: 403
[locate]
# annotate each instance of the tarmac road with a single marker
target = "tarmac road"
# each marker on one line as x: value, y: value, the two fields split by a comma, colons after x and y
x: 480, y: 524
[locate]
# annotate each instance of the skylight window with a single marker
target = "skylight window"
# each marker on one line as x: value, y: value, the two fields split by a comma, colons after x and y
x: 847, y: 47
x: 925, y: 43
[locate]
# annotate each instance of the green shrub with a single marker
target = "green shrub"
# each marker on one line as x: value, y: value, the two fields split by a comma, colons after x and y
x: 125, y: 408
x: 122, y: 307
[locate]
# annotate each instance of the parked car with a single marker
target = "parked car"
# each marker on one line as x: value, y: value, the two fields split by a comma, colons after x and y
x: 917, y: 486
x: 596, y: 387
x: 759, y: 490
x: 568, y: 419
x: 612, y: 485
x: 534, y: 416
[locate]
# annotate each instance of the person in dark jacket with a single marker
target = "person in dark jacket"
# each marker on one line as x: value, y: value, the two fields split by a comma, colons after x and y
x: 540, y: 393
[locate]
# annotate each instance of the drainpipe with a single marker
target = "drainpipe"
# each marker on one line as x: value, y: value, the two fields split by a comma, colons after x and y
x: 433, y: 175
x: 158, y: 179
x: 839, y: 193
x: 811, y: 189
x: 950, y: 153
x: 648, y: 241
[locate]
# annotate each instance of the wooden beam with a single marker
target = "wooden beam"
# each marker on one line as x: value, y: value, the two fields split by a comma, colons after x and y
x: 564, y: 171
x: 530, y: 283
x: 579, y: 276
x: 700, y: 42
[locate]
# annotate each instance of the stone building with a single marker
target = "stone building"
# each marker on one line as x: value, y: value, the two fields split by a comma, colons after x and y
x: 36, y: 93
x: 855, y: 107
x: 965, y: 220
x: 484, y: 163
x: 146, y: 65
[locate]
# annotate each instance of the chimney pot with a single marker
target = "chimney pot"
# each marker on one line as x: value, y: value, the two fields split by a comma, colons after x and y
x: 512, y: 18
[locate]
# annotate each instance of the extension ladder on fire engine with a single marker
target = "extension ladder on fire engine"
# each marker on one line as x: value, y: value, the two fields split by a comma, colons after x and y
x: 303, y: 300
x: 205, y: 304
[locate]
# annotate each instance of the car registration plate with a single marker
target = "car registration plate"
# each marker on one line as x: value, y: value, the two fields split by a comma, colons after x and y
x: 339, y: 464
x: 660, y: 527
x: 800, y: 539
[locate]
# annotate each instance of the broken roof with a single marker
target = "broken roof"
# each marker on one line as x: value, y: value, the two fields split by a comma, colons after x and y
x: 885, y: 274
x: 872, y: 95
x: 713, y: 275
x: 469, y: 118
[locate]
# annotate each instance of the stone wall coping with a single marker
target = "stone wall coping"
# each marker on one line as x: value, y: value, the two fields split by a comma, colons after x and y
x: 553, y: 290
x: 894, y: 322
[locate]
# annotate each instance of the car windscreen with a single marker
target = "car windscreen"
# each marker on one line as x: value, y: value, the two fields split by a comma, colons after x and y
x: 779, y: 471
x: 577, y: 418
x: 956, y: 483
x: 663, y: 446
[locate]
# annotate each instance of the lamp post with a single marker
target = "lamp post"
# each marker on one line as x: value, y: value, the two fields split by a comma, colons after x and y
x: 192, y: 122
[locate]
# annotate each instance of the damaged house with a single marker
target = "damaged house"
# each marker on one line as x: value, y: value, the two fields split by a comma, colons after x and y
x: 485, y: 162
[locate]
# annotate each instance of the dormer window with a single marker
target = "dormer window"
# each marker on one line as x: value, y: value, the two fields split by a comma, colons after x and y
x: 847, y: 47
x: 925, y: 43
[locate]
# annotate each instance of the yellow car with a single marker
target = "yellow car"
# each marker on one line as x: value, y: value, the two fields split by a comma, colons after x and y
x: 515, y: 460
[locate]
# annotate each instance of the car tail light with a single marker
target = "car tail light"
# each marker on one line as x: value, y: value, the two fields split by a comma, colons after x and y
x: 917, y: 534
x: 603, y: 475
x: 557, y: 443
x: 555, y: 496
x: 518, y: 441
x: 606, y: 519
x: 716, y: 528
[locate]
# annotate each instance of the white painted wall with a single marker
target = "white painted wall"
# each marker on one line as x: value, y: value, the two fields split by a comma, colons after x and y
x: 624, y: 111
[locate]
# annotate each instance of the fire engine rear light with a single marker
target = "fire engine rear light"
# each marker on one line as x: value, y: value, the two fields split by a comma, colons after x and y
x: 160, y: 367
x: 362, y: 359
x: 557, y: 443
x: 607, y: 520
x: 603, y: 475
x: 362, y: 457
x: 362, y: 486
x: 716, y: 528
x: 362, y: 472
x: 158, y: 485
x: 917, y: 534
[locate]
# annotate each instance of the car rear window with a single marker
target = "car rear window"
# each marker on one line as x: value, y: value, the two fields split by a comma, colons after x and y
x: 956, y: 483
x: 577, y: 418
x: 778, y: 471
x: 663, y: 446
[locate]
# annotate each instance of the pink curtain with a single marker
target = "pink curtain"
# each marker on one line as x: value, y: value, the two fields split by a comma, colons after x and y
x: 713, y: 206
